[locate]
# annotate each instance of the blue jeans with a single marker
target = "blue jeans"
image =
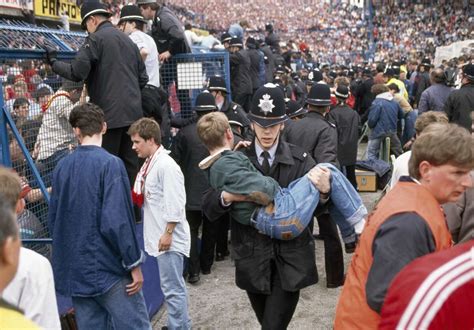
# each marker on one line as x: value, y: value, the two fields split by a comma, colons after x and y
x: 373, y: 147
x: 293, y: 207
x: 170, y: 266
x: 114, y: 309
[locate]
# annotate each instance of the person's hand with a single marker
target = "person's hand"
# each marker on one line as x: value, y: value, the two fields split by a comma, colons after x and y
x: 320, y: 177
x: 50, y: 55
x: 137, y: 281
x: 165, y: 242
x: 231, y: 198
x: 165, y: 56
x: 242, y: 144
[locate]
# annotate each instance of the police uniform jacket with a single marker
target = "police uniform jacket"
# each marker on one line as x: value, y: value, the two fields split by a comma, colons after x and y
x: 114, y: 72
x: 269, y: 60
x: 188, y: 150
x: 254, y: 252
x: 347, y: 126
x: 316, y: 135
x: 240, y: 79
x: 168, y: 32
x: 459, y: 105
x: 254, y: 56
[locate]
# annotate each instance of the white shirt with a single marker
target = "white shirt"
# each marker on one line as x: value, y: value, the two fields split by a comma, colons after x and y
x: 143, y: 40
x: 32, y: 290
x: 165, y: 200
x: 192, y: 37
x: 400, y: 168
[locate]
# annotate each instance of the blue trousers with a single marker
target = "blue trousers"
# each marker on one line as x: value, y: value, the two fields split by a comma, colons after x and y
x: 293, y: 207
x: 114, y: 309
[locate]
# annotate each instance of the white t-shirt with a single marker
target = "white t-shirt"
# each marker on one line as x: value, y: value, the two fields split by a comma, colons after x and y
x: 165, y: 200
x: 400, y: 168
x: 32, y: 290
x: 143, y: 40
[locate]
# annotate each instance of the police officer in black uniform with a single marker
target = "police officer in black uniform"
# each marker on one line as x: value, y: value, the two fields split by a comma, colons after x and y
x: 319, y: 137
x: 240, y: 79
x: 271, y: 271
x: 168, y: 33
x: 113, y: 82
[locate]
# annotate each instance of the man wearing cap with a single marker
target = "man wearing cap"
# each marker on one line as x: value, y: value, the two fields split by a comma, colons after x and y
x: 225, y: 40
x: 460, y: 103
x: 114, y: 72
x: 364, y: 96
x: 218, y: 89
x: 273, y: 290
x: 168, y: 33
x: 241, y: 82
x: 187, y: 150
x: 422, y: 81
x: 347, y: 124
x: 132, y: 24
x: 272, y: 39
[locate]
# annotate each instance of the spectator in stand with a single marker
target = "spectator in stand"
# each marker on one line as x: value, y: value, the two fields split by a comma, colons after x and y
x: 191, y: 36
x: 384, y: 114
x: 434, y: 97
x: 56, y: 137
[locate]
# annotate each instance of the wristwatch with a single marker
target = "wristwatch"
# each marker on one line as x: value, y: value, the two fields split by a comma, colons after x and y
x: 169, y: 231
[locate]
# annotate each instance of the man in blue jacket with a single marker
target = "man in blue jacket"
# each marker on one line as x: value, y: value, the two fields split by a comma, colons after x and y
x: 96, y: 257
x: 384, y: 114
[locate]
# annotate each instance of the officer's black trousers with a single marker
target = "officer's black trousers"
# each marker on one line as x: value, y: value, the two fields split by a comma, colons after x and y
x: 274, y: 311
x: 205, y: 258
x: 333, y: 257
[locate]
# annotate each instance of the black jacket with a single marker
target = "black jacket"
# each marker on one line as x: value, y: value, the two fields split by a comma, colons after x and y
x: 269, y: 60
x: 347, y: 125
x: 254, y: 252
x: 422, y: 82
x: 316, y: 135
x: 168, y: 32
x: 114, y: 72
x: 240, y: 80
x: 188, y: 150
x: 459, y: 105
x: 364, y: 96
x: 254, y: 56
x: 273, y: 41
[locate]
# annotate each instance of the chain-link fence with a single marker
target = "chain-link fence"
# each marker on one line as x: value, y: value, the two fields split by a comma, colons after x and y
x: 184, y: 76
x: 36, y: 104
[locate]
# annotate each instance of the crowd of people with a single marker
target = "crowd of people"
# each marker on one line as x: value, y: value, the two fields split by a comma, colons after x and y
x: 267, y: 163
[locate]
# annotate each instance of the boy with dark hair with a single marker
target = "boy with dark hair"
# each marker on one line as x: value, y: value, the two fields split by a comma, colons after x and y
x: 96, y: 256
x: 159, y: 186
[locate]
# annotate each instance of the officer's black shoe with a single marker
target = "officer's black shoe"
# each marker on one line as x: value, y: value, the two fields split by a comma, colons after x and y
x: 205, y: 271
x: 193, y: 278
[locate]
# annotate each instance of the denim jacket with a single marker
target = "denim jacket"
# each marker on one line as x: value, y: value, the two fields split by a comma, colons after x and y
x: 92, y: 224
x: 383, y: 115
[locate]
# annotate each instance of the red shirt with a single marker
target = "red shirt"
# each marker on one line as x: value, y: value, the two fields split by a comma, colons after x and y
x: 433, y: 292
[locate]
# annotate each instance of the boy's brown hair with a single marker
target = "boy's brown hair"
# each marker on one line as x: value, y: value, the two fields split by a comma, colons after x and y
x: 211, y: 129
x: 428, y: 118
x: 147, y: 129
x: 10, y: 186
x: 442, y: 144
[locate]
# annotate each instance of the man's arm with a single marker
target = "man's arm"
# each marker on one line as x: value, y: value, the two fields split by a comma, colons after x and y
x: 399, y: 240
x: 374, y: 114
x: 117, y: 220
x: 423, y: 104
x: 79, y: 68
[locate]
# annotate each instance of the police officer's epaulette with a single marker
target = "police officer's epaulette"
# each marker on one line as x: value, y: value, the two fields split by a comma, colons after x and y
x: 298, y: 152
x: 235, y: 107
x: 330, y: 123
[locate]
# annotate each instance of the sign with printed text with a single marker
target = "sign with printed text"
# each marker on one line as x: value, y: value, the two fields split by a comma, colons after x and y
x: 18, y: 4
x: 54, y: 8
